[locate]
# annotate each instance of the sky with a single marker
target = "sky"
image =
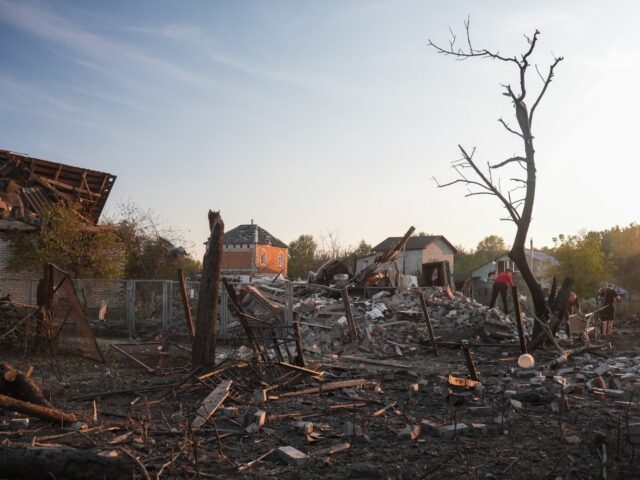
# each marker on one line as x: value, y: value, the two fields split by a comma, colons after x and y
x: 325, y: 117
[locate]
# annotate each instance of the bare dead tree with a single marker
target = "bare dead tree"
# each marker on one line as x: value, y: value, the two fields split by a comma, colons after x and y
x: 204, y: 340
x: 518, y: 199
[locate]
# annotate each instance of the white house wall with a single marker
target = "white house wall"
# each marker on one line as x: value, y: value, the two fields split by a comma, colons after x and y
x: 437, y: 251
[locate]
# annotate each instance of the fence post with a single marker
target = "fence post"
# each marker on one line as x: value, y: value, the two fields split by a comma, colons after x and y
x: 170, y: 303
x: 164, y: 305
x: 288, y: 303
x: 31, y: 302
x: 131, y: 307
x: 224, y: 313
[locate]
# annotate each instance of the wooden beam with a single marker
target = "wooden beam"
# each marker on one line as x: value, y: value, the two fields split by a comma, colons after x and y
x: 211, y: 403
x: 185, y: 303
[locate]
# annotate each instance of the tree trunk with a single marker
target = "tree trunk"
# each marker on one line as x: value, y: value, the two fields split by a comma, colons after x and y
x: 517, y: 253
x: 45, y: 463
x: 204, y: 342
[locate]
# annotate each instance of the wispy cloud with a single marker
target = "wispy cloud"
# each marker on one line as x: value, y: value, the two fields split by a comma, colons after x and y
x: 172, y: 31
x: 310, y: 81
x: 200, y: 41
x: 108, y: 53
x: 17, y: 96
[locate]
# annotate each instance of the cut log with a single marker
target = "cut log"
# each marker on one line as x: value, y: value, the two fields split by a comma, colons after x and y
x: 45, y: 463
x: 45, y: 413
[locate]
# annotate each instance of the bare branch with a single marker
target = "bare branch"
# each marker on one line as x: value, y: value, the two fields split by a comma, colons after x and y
x: 505, y: 125
x: 465, y: 181
x: 524, y: 64
x: 490, y: 186
x: 510, y: 160
x: 478, y: 193
x: 461, y: 54
x: 544, y: 88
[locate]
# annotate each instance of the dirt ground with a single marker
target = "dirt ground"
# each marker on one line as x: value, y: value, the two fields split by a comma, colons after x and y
x: 148, y: 413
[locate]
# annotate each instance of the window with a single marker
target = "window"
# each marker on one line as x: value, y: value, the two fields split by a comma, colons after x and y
x: 263, y: 258
x: 280, y: 260
x: 503, y: 265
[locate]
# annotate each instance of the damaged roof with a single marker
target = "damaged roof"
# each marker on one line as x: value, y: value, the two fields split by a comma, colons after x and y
x: 250, y: 234
x: 414, y: 243
x: 29, y: 186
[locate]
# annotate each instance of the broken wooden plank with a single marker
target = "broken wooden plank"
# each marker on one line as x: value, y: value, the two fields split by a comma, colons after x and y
x: 248, y: 465
x: 132, y: 358
x: 381, y: 363
x: 341, y: 447
x: 185, y: 303
x: 211, y: 403
x: 353, y: 331
x: 347, y: 406
x: 380, y: 411
x: 427, y: 319
x: 327, y: 387
x: 305, y: 371
x: 462, y: 382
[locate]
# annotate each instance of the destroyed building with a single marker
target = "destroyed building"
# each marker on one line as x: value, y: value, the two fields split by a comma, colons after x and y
x: 29, y: 186
x: 418, y: 251
x: 250, y: 249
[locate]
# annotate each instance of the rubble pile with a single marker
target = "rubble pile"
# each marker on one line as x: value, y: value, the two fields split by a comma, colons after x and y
x: 393, y: 322
x: 312, y: 399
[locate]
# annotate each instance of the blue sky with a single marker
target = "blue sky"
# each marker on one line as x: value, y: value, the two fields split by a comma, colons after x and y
x: 316, y: 117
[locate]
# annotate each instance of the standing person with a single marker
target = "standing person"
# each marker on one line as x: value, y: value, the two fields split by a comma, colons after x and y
x: 501, y: 285
x: 607, y: 297
x: 572, y: 307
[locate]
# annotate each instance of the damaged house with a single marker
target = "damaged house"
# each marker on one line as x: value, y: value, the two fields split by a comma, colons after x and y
x: 29, y: 186
x: 250, y: 249
x: 422, y: 255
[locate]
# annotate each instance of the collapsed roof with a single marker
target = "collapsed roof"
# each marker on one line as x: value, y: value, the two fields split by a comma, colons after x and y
x: 29, y: 186
x: 252, y: 234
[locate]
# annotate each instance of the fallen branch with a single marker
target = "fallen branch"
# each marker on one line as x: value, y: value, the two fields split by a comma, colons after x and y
x: 45, y: 413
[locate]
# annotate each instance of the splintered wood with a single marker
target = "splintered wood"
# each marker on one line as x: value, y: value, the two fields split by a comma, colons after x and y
x: 211, y: 404
x: 327, y: 387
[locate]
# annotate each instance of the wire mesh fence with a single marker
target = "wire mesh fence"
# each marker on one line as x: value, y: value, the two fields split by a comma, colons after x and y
x: 120, y: 306
x: 129, y: 307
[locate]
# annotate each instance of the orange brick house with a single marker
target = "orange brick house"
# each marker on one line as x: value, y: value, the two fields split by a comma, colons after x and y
x: 250, y: 249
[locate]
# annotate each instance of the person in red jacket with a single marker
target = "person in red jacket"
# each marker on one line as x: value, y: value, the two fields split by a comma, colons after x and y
x: 501, y: 285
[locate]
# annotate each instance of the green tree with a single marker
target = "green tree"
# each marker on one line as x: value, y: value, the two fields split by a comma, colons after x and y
x: 489, y: 248
x: 363, y: 248
x: 465, y: 261
x: 150, y: 248
x: 69, y: 242
x: 624, y: 245
x: 581, y: 258
x: 302, y: 256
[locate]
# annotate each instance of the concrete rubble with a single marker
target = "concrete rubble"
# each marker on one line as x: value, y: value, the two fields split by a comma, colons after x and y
x: 380, y: 403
